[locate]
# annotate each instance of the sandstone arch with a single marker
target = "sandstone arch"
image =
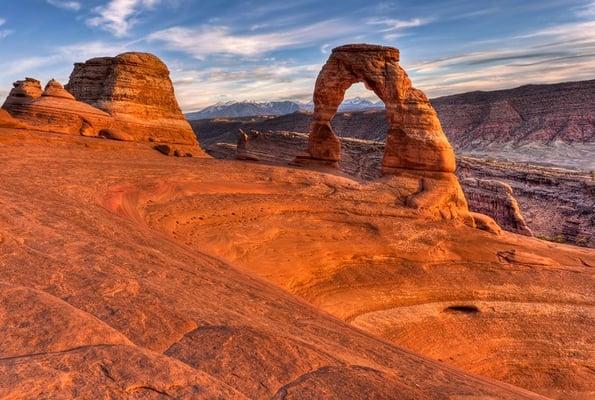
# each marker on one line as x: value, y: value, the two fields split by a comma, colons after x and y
x: 414, y: 141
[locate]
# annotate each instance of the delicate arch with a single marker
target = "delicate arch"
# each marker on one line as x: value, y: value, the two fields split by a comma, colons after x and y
x: 415, y: 139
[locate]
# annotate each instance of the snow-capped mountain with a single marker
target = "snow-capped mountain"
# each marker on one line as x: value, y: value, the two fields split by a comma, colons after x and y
x: 245, y: 109
x: 232, y: 109
x: 358, y: 104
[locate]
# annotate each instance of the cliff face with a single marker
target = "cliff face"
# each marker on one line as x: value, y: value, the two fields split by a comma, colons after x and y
x: 136, y: 90
x: 563, y: 112
x: 495, y: 198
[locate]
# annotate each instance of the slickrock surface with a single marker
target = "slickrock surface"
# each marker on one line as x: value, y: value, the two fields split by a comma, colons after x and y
x: 55, y: 110
x: 556, y: 204
x: 506, y: 306
x: 136, y: 90
x: 107, y: 243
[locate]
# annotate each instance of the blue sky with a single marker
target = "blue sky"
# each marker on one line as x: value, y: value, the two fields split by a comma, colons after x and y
x: 271, y: 50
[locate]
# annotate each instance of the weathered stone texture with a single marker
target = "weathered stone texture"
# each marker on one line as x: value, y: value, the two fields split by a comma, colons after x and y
x: 136, y: 90
x: 415, y: 139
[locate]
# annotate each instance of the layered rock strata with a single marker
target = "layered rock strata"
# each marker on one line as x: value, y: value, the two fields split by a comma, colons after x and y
x: 495, y: 198
x: 136, y: 90
x: 54, y: 109
x: 7, y: 121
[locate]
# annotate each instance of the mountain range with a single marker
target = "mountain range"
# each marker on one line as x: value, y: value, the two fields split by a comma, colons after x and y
x: 233, y: 109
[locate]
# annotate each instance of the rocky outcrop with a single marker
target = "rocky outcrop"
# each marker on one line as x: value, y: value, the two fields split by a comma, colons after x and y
x: 22, y: 92
x: 557, y: 204
x: 414, y: 140
x: 495, y: 198
x: 54, y: 109
x: 242, y: 152
x: 7, y: 121
x: 135, y: 89
x: 415, y: 143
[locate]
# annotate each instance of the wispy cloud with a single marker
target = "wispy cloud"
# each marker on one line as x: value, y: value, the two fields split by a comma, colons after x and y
x: 205, y: 40
x: 4, y: 32
x: 65, y: 4
x: 390, y: 24
x: 586, y: 10
x: 198, y: 88
x: 119, y: 16
x: 564, y: 52
x: 395, y: 28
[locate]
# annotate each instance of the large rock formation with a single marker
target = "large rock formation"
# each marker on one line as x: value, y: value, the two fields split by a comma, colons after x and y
x: 495, y: 198
x: 54, y: 109
x: 136, y: 90
x: 415, y: 139
x: 416, y: 147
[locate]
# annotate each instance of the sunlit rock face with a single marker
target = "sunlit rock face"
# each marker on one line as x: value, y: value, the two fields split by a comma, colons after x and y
x: 416, y: 147
x: 54, y: 109
x: 415, y: 139
x: 136, y: 90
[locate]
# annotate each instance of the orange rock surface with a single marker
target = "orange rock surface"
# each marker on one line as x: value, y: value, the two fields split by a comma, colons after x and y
x: 136, y: 90
x: 414, y: 140
x: 104, y: 295
x: 126, y: 274
x: 54, y: 110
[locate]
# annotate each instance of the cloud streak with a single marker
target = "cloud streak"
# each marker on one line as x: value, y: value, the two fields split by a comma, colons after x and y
x: 206, y: 40
x: 119, y: 16
x: 65, y: 4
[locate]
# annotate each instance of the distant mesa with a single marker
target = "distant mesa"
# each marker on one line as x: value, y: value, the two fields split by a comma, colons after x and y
x: 129, y: 97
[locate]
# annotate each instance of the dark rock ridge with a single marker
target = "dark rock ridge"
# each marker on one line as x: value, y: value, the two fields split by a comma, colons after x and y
x: 528, y: 114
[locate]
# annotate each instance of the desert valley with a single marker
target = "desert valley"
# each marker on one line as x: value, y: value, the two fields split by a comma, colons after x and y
x: 406, y: 248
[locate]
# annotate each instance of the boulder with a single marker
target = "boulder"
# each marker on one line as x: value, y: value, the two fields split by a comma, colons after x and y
x: 135, y: 89
x: 54, y: 110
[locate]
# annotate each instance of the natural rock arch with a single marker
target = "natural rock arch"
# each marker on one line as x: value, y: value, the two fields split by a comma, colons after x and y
x: 414, y: 141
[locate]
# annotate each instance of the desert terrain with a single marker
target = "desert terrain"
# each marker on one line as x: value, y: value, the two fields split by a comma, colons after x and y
x: 137, y: 266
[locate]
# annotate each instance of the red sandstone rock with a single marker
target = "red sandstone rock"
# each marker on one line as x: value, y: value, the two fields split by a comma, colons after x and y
x: 7, y: 121
x: 55, y: 110
x: 23, y: 92
x: 495, y: 198
x: 415, y: 139
x: 136, y: 90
